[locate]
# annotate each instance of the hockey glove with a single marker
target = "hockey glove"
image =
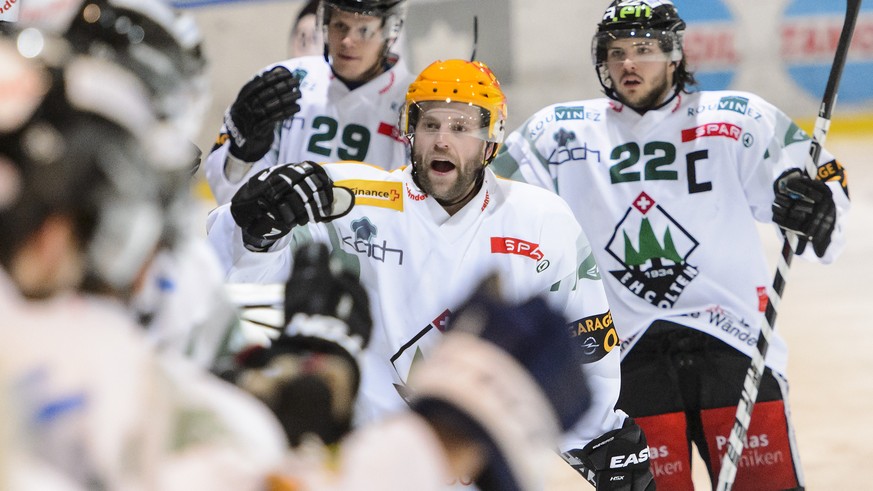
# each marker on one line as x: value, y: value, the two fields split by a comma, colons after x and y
x: 319, y: 287
x: 263, y: 101
x: 273, y: 201
x: 309, y: 375
x: 616, y: 461
x: 507, y: 377
x: 806, y: 207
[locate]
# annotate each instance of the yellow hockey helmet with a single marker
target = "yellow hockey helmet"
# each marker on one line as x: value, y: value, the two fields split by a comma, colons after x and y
x: 470, y: 82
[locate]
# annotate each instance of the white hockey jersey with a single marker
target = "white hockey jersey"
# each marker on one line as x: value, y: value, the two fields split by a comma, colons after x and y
x: 88, y: 399
x: 669, y: 200
x: 417, y: 263
x: 183, y: 306
x: 334, y: 124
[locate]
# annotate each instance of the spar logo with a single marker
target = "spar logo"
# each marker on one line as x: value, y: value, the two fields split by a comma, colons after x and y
x: 653, y: 250
x: 728, y: 130
x: 809, y: 34
x: 710, y: 42
x: 512, y: 245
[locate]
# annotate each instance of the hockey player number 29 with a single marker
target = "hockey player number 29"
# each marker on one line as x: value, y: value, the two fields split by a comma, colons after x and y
x: 659, y: 157
x: 355, y: 139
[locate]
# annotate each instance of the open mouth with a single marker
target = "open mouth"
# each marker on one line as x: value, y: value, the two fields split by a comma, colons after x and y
x: 631, y: 82
x: 442, y: 166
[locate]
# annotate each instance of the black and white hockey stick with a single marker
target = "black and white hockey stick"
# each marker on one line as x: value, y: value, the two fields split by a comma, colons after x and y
x: 731, y: 458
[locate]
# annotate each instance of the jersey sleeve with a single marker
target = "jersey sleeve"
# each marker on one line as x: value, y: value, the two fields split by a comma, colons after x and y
x: 226, y: 174
x: 591, y: 326
x: 239, y: 264
x: 520, y: 160
x: 788, y: 147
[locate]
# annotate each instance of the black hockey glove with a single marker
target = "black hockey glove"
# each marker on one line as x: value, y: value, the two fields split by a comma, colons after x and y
x: 618, y: 460
x: 263, y: 101
x: 805, y: 206
x: 274, y: 200
x: 309, y: 376
x: 319, y: 287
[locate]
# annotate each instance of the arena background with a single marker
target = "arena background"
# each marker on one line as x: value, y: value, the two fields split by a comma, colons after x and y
x: 779, y: 49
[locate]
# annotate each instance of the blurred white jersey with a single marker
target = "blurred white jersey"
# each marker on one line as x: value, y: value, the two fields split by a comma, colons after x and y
x: 657, y: 195
x: 399, y: 454
x: 417, y: 264
x: 183, y: 305
x: 93, y: 404
x: 334, y: 124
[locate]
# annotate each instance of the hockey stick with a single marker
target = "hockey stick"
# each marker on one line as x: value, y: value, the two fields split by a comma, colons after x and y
x: 475, y: 37
x: 752, y: 382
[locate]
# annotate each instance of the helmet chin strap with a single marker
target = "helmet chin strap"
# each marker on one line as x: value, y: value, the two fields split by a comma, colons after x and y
x: 477, y: 185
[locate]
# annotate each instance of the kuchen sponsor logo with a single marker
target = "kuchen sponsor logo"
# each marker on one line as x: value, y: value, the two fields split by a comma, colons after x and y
x: 510, y: 245
x: 569, y: 149
x: 362, y: 242
x: 486, y: 201
x: 414, y: 195
x: 728, y: 130
x: 375, y: 193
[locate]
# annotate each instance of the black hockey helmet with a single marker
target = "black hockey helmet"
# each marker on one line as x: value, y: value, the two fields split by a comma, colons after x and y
x: 656, y: 20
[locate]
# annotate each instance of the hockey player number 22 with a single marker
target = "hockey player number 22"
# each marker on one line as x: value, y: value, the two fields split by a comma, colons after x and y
x: 659, y: 157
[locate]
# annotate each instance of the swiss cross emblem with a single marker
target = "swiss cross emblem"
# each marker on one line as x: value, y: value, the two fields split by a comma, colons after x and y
x: 644, y: 203
x: 394, y: 195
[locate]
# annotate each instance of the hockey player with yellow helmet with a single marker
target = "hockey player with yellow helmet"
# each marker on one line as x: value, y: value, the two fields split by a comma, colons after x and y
x: 421, y: 238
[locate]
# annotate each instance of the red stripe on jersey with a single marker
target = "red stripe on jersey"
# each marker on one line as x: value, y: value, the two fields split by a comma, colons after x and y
x: 390, y: 130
